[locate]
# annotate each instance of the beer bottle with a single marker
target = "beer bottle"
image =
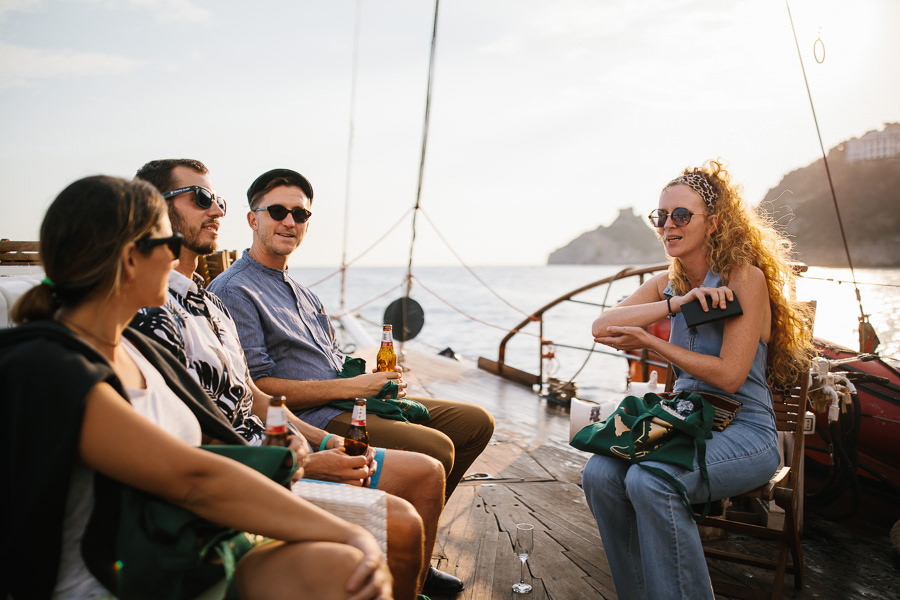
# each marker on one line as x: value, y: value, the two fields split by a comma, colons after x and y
x: 357, y: 439
x: 276, y: 423
x: 386, y: 359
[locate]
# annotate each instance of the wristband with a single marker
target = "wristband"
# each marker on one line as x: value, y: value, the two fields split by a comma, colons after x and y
x: 669, y: 305
x: 325, y: 441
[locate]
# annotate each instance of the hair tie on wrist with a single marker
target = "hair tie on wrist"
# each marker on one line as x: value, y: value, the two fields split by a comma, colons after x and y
x: 669, y: 305
x: 48, y: 282
x: 325, y: 441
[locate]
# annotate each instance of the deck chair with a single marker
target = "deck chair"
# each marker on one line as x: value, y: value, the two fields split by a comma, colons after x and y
x: 212, y: 265
x: 785, y: 488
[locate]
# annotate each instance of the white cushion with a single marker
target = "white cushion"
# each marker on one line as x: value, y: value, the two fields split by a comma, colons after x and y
x: 11, y: 289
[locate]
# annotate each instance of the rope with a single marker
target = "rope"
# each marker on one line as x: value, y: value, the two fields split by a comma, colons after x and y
x: 369, y: 301
x: 466, y: 267
x: 594, y: 345
x: 839, y: 281
x: 825, y: 160
x: 363, y: 253
x: 465, y: 314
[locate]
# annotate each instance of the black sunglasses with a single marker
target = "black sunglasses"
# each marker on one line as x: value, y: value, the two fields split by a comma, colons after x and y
x: 680, y: 217
x: 202, y: 196
x: 278, y: 212
x: 147, y: 243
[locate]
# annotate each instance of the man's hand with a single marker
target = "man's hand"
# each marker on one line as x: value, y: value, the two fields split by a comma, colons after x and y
x: 368, y: 385
x: 335, y: 465
x: 298, y: 444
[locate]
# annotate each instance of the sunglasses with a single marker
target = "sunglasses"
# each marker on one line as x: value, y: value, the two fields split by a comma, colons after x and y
x: 202, y: 196
x: 278, y: 212
x: 147, y: 243
x: 680, y: 217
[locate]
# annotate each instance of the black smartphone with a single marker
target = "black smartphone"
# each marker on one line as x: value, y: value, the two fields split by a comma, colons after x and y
x: 694, y: 314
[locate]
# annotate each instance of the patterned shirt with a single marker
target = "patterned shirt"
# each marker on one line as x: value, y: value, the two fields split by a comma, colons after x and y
x: 283, y: 327
x: 197, y: 328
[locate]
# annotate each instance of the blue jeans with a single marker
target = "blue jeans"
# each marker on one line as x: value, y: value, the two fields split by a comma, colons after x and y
x: 651, y: 540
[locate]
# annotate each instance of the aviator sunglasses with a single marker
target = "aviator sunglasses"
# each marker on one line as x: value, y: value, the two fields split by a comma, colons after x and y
x: 680, y: 217
x: 202, y: 196
x: 147, y: 243
x: 279, y: 212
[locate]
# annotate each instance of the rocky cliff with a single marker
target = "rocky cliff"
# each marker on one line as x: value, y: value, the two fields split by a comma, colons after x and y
x: 868, y: 197
x: 629, y: 240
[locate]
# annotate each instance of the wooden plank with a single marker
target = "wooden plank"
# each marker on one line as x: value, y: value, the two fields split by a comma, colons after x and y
x: 19, y: 253
x: 563, y: 462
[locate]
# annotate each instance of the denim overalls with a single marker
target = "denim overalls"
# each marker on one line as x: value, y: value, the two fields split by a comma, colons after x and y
x: 650, y: 538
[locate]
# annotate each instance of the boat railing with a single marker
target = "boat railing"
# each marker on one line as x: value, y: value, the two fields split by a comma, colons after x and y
x: 499, y: 366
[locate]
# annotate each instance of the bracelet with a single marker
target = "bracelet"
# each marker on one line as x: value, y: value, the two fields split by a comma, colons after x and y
x: 669, y: 305
x: 325, y: 441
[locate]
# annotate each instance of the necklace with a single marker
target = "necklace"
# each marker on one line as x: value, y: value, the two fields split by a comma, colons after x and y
x: 94, y: 337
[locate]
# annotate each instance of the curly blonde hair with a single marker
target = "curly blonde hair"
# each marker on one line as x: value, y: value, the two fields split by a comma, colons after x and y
x: 744, y: 236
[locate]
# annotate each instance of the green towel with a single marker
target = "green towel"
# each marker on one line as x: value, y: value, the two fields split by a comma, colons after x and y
x: 385, y: 404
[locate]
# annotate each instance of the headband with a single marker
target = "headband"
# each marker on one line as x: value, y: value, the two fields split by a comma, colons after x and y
x: 699, y: 184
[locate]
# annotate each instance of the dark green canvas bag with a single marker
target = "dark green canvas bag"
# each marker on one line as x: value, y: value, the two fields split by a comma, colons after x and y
x: 641, y: 430
x: 385, y: 404
x: 165, y: 551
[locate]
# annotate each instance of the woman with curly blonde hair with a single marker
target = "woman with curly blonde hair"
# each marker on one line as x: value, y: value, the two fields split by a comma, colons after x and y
x: 719, y: 249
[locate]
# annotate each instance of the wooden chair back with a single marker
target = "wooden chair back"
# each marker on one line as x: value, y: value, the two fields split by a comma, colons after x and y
x: 19, y: 253
x: 212, y: 265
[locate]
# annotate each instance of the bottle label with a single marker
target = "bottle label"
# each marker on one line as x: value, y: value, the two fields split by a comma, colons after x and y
x: 358, y: 418
x: 387, y: 338
x: 276, y: 420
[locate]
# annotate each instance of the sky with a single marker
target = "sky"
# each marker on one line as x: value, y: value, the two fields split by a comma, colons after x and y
x: 546, y: 118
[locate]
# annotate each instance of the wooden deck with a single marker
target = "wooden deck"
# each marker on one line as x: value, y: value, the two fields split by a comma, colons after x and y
x: 529, y: 473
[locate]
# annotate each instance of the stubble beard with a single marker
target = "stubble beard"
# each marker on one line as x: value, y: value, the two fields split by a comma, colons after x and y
x: 191, y: 236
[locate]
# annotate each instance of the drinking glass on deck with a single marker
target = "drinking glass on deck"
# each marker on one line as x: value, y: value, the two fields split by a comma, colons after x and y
x: 524, y: 546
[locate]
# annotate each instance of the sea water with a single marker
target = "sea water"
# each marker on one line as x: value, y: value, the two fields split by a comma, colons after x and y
x: 471, y: 310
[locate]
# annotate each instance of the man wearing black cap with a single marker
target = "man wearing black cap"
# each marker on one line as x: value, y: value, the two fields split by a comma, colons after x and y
x: 291, y: 349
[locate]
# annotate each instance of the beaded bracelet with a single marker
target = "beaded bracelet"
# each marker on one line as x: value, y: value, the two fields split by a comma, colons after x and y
x: 669, y: 305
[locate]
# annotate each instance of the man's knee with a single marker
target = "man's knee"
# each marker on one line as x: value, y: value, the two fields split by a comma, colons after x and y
x: 412, y: 475
x: 482, y: 423
x: 404, y: 524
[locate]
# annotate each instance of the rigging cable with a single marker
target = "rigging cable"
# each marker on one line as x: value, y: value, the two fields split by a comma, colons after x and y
x: 863, y: 318
x: 344, y: 263
x: 467, y: 268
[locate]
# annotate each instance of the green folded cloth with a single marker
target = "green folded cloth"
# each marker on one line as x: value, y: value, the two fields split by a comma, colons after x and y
x: 385, y: 404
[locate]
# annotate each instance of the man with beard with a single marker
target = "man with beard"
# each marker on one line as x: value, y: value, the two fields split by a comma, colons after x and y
x: 197, y: 328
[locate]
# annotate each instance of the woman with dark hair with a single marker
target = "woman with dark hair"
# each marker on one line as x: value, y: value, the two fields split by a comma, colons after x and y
x: 90, y: 403
x: 719, y: 248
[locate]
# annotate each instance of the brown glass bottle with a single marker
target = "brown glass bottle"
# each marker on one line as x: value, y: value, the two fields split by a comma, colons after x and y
x: 356, y: 442
x: 276, y: 423
x: 386, y: 359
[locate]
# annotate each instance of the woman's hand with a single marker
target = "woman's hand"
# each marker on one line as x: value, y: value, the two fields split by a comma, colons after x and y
x: 709, y: 297
x: 624, y: 337
x: 372, y: 579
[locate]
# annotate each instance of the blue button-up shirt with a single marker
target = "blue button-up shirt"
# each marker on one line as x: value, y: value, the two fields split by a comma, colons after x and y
x: 283, y: 326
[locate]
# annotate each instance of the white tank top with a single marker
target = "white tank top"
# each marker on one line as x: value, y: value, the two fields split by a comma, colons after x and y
x: 158, y: 404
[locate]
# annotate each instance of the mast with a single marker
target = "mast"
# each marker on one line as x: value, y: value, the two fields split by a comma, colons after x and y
x: 349, y: 155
